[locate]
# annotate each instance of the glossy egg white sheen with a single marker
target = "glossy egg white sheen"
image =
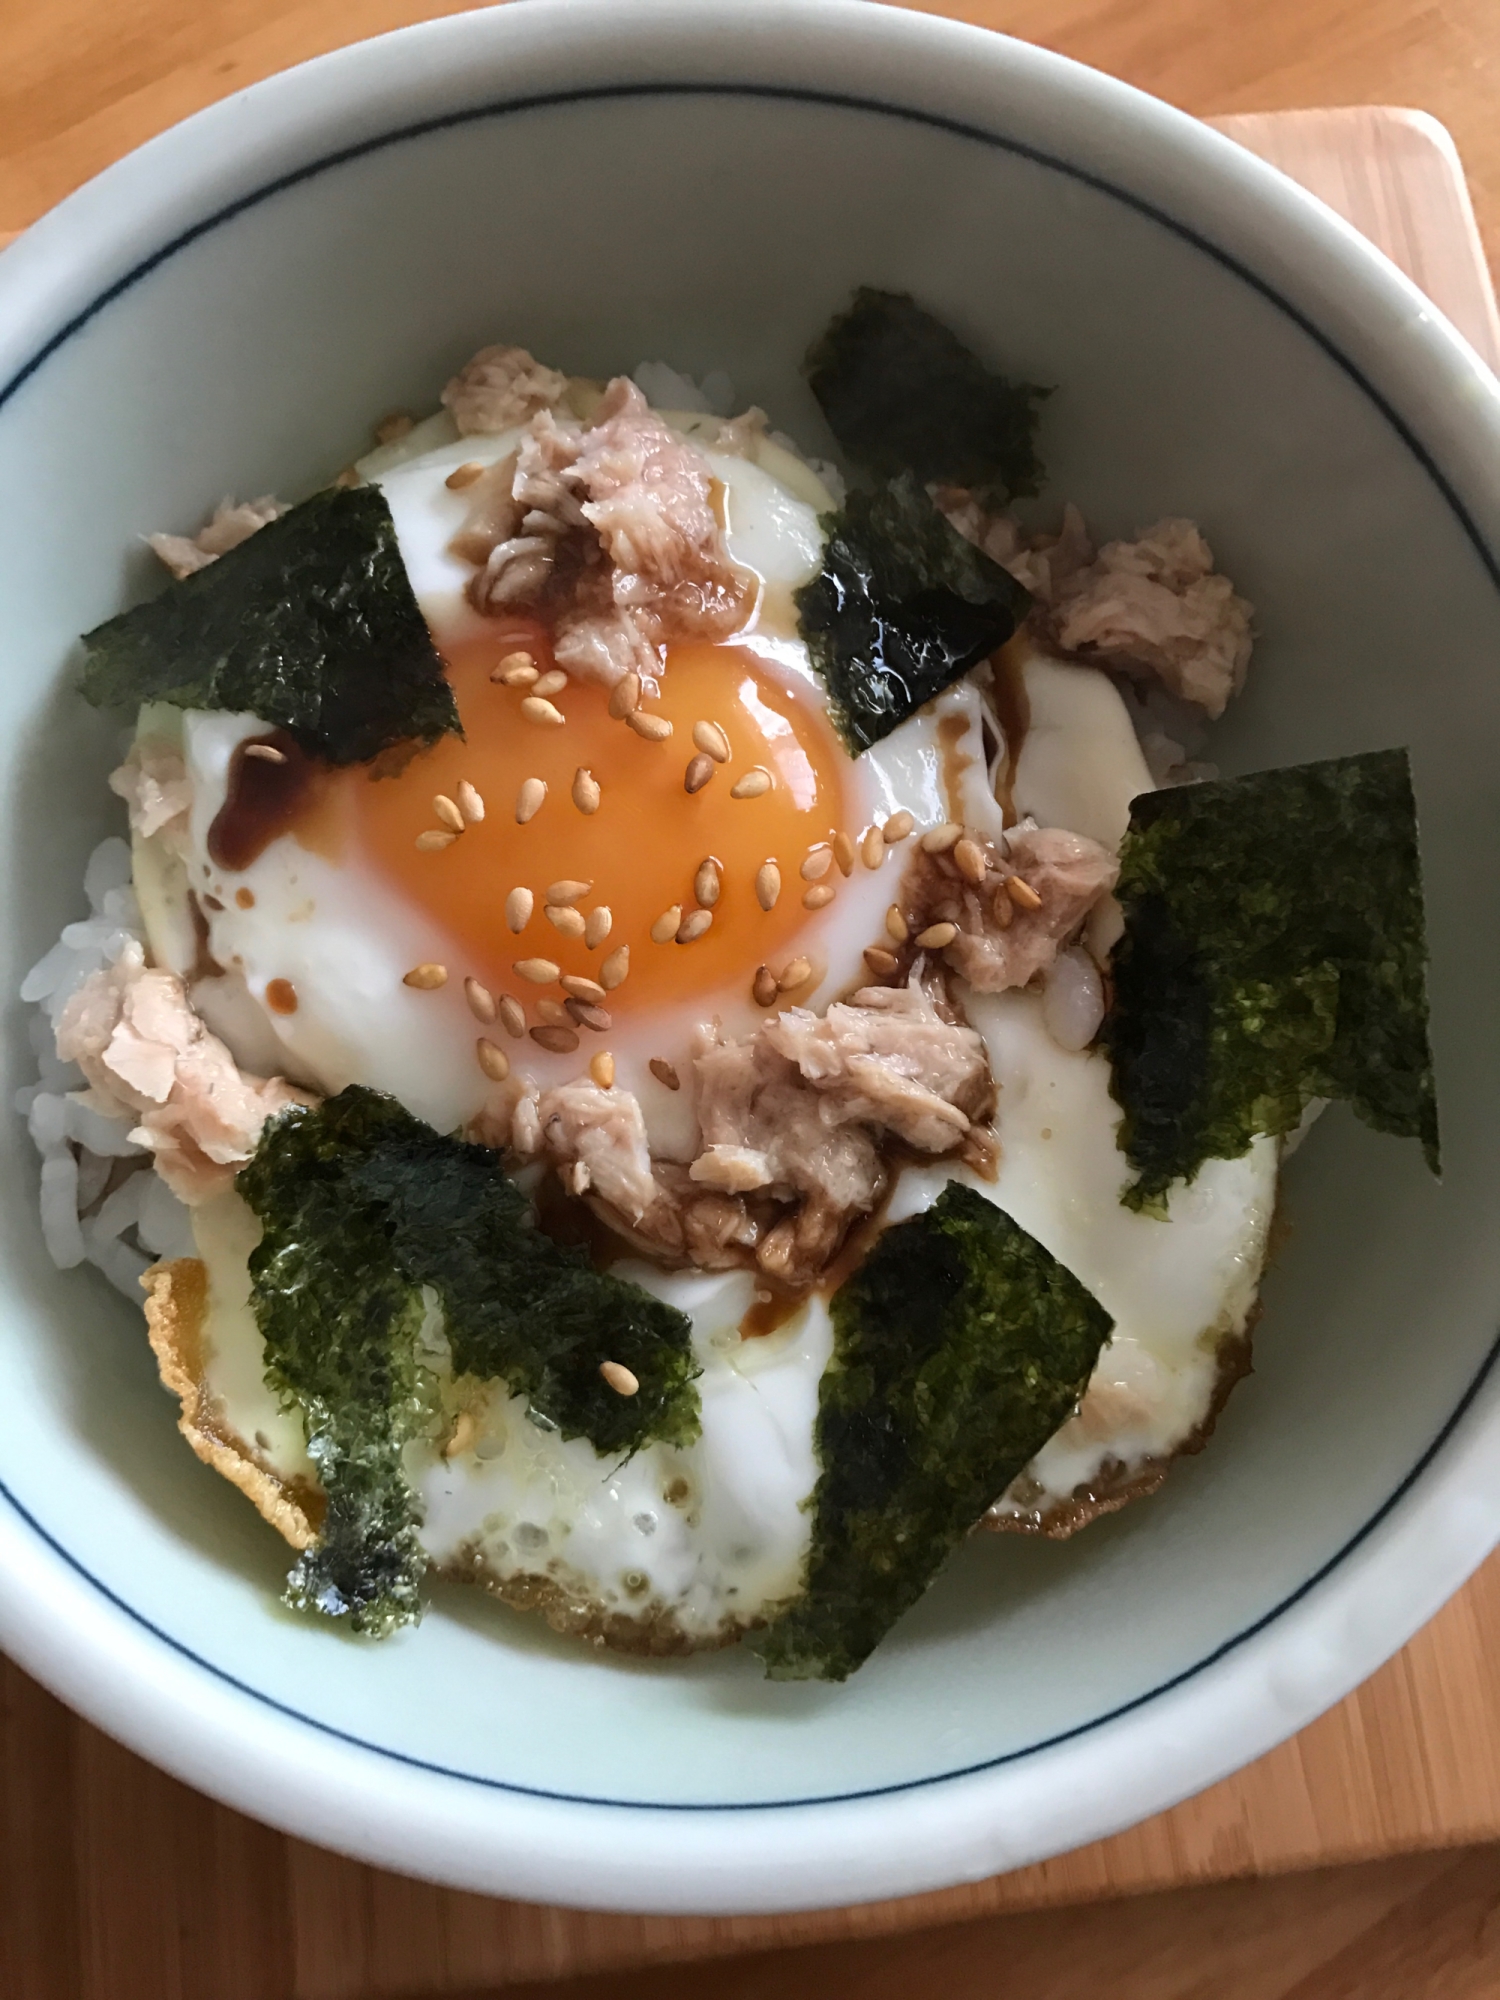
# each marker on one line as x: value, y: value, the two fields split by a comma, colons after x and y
x: 709, y: 1535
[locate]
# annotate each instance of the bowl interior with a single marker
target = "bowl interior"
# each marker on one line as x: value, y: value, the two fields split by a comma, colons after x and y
x: 720, y: 231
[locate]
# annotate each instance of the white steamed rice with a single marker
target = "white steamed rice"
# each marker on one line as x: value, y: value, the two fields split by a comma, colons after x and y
x: 101, y: 1202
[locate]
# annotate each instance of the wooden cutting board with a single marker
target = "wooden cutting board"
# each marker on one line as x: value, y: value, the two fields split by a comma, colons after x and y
x: 118, y: 1884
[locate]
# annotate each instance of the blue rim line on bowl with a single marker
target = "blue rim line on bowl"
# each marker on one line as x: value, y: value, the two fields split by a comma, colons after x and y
x: 816, y: 1799
x: 961, y: 129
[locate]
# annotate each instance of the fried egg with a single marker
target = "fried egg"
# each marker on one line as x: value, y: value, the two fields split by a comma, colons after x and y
x: 325, y: 922
x: 317, y: 931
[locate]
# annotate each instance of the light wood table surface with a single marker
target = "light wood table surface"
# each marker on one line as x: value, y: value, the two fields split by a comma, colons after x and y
x: 118, y: 1884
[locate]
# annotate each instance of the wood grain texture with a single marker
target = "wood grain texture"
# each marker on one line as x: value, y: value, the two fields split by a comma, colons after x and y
x: 116, y: 1883
x: 1396, y: 175
x: 1417, y: 1928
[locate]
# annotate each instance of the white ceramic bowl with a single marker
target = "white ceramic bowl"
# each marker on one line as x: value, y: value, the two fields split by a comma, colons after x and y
x: 610, y: 180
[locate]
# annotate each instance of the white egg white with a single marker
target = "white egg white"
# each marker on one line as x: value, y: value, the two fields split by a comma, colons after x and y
x: 1177, y: 1288
x: 693, y: 1543
x: 688, y: 1544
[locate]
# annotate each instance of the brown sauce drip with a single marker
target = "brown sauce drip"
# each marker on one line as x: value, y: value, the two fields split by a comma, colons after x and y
x: 205, y: 965
x: 1013, y: 712
x: 952, y: 729
x: 770, y: 1313
x: 281, y: 996
x: 771, y: 1308
x: 263, y: 800
x: 576, y: 1225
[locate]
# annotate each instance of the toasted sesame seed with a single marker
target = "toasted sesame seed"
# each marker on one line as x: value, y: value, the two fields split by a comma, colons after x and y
x: 580, y: 988
x: 843, y: 852
x: 597, y: 925
x: 625, y: 697
x: 585, y: 790
x: 350, y: 476
x: 881, y: 962
x: 519, y: 905
x: 434, y: 840
x: 553, y: 1014
x: 938, y: 839
x: 700, y: 769
x: 596, y: 1019
x: 796, y: 972
x: 872, y: 848
x: 763, y: 987
x: 664, y: 1073
x: 552, y: 682
x: 665, y: 928
x: 449, y: 814
x: 655, y: 728
x: 465, y: 1429
x: 712, y: 741
x: 819, y: 896
x: 693, y: 926
x: 1021, y: 893
x: 970, y: 860
x: 568, y: 890
x: 565, y: 919
x: 708, y: 882
x: 556, y: 1041
x: 516, y: 670
x: 512, y: 1015
x: 465, y: 474
x: 612, y: 972
x: 767, y: 884
x: 540, y: 971
x: 1002, y: 908
x: 619, y: 1378
x: 602, y: 1069
x: 529, y: 800
x: 396, y: 425
x: 470, y: 804
x: 266, y: 752
x: 897, y: 827
x: 541, y: 712
x: 816, y: 865
x: 492, y: 1060
x: 481, y: 1000
x: 426, y: 977
x: 755, y: 783
x: 896, y: 925
x: 936, y: 936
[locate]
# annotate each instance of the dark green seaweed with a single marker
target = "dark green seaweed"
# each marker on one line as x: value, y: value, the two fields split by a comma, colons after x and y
x: 1274, y: 952
x: 960, y: 1346
x: 902, y: 607
x: 310, y: 624
x: 362, y: 1206
x: 902, y: 393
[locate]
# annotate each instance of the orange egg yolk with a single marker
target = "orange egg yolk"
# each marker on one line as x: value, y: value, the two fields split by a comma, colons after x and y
x: 640, y: 851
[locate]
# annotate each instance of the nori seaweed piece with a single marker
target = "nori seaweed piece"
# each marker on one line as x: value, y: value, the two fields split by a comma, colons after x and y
x: 362, y: 1206
x: 902, y: 607
x: 310, y: 624
x: 1274, y: 952
x: 902, y: 393
x: 960, y: 1346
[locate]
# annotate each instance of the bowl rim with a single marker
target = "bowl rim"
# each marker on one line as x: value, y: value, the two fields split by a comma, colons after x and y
x: 928, y: 1831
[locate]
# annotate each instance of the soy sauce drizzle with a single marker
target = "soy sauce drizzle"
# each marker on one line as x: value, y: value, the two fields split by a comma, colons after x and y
x: 264, y: 798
